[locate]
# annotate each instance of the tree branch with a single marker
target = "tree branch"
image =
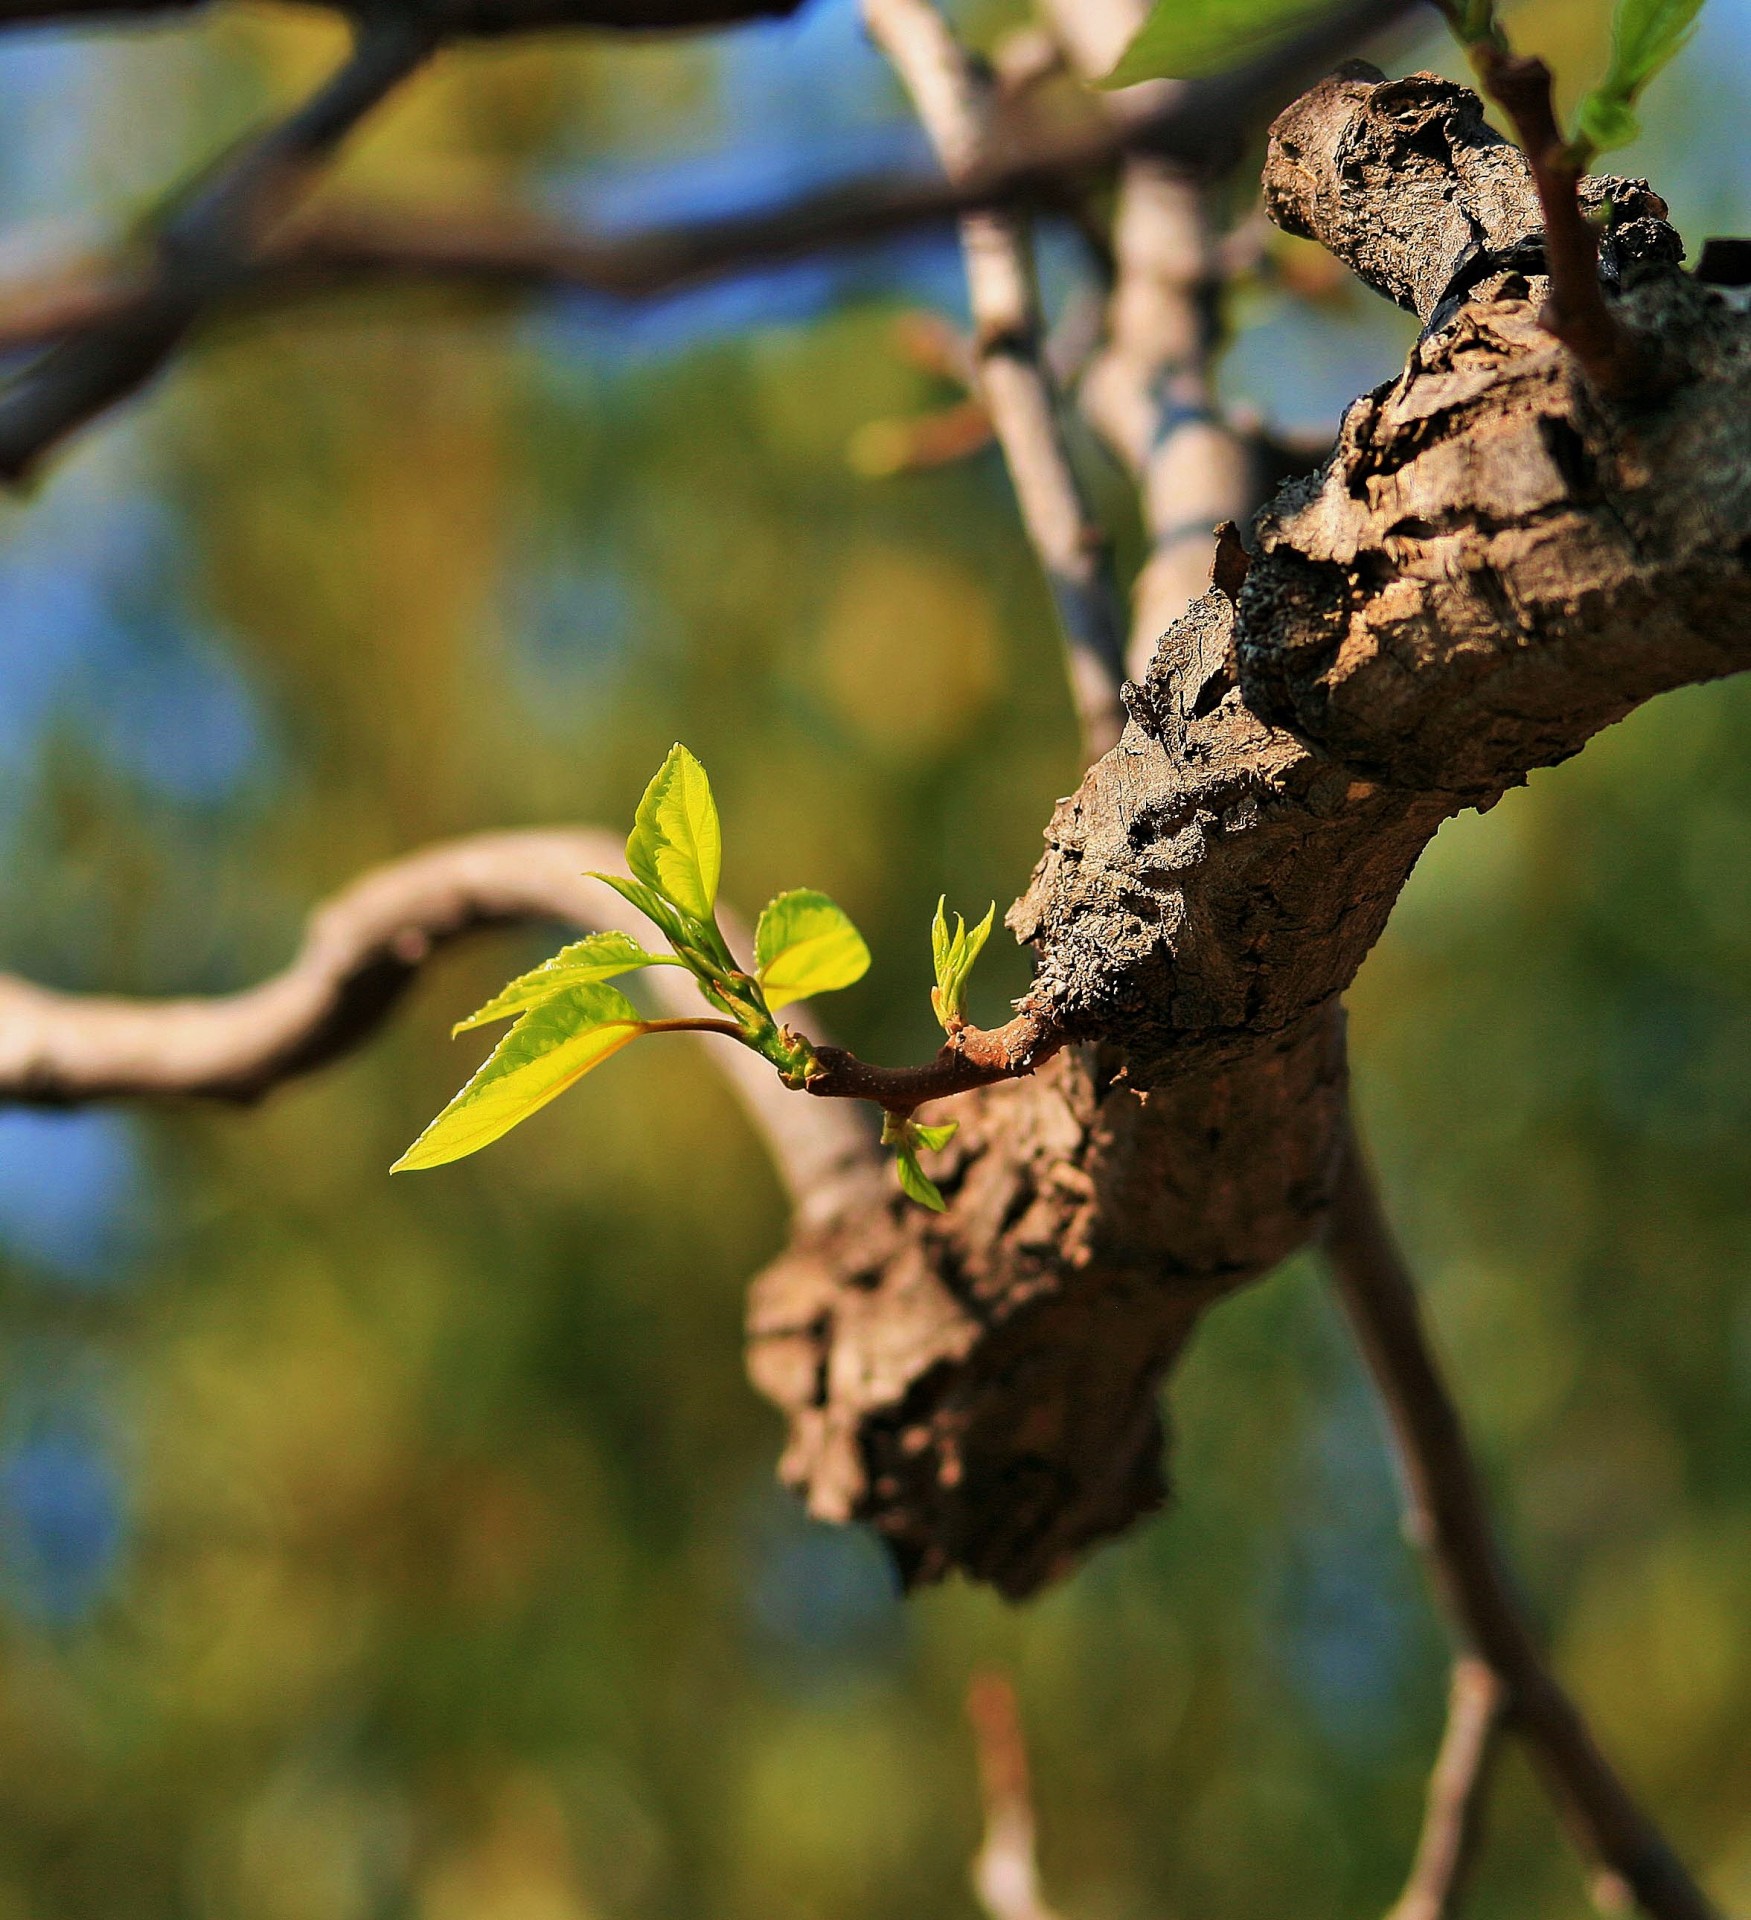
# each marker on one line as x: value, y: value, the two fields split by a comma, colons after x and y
x: 1006, y: 1873
x: 971, y: 1057
x: 141, y: 316
x: 1453, y: 1817
x: 956, y: 102
x: 1450, y: 1520
x: 361, y: 952
x: 202, y: 245
x: 1576, y: 312
x: 1150, y: 393
x: 1489, y: 568
x: 486, y: 18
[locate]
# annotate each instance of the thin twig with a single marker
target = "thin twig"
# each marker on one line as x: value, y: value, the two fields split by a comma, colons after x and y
x: 1576, y: 312
x: 970, y: 1057
x: 956, y: 101
x: 204, y: 244
x: 1453, y: 1815
x: 1006, y: 1874
x: 1450, y: 1520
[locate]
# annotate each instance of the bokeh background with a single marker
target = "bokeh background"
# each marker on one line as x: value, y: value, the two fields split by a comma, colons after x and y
x: 412, y: 1549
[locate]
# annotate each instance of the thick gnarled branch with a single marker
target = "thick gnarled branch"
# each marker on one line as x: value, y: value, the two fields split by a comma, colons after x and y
x: 1488, y: 569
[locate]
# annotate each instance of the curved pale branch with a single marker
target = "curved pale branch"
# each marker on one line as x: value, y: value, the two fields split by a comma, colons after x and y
x: 360, y: 953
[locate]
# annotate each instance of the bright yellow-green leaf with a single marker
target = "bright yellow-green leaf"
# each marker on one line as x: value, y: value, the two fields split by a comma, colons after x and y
x: 915, y: 1183
x: 1645, y: 35
x: 941, y: 944
x: 676, y: 846
x: 1606, y: 123
x: 906, y: 1136
x: 1182, y: 39
x: 954, y: 954
x: 804, y: 944
x: 599, y: 956
x: 551, y: 1048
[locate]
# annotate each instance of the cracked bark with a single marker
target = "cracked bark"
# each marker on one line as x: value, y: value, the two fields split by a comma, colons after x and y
x: 1494, y: 563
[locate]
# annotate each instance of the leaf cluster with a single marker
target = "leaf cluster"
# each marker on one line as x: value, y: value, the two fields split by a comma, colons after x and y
x: 568, y: 1019
x: 954, y: 954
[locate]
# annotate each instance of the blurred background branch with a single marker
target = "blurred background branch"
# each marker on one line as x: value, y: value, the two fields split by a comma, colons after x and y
x: 1006, y: 1873
x: 361, y: 952
x: 1449, y: 1519
x: 956, y: 101
x: 1458, y: 1785
x: 105, y: 334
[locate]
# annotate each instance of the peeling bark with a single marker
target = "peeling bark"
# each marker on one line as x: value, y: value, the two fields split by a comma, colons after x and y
x: 1493, y: 564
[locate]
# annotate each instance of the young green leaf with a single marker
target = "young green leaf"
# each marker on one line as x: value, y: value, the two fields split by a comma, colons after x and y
x: 599, y: 956
x: 954, y: 954
x: 549, y: 1049
x: 1645, y: 35
x: 1182, y: 39
x: 906, y: 1136
x: 915, y: 1183
x: 803, y: 945
x: 676, y: 847
x: 649, y: 902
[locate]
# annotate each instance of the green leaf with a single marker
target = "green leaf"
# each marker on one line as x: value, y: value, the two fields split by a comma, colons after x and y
x: 676, y: 847
x: 549, y: 1049
x: 804, y: 944
x: 906, y: 1136
x: 1606, y: 123
x: 599, y: 956
x: 1645, y: 35
x: 1182, y: 39
x: 954, y: 954
x: 915, y: 1183
x: 649, y: 902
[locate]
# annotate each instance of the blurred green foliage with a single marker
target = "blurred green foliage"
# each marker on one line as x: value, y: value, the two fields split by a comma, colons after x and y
x: 372, y: 1550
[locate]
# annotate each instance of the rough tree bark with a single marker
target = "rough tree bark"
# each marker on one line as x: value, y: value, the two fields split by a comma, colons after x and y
x: 1495, y: 563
